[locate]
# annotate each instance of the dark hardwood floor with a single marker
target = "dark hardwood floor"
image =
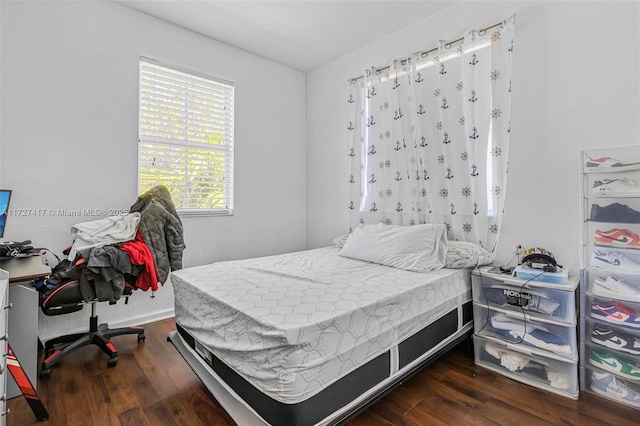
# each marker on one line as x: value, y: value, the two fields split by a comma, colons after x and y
x: 152, y: 385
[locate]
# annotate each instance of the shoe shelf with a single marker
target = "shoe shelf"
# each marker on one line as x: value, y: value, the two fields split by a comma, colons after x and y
x: 526, y: 330
x: 610, y: 275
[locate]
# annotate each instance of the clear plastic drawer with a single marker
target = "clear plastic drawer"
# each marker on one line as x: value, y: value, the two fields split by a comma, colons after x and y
x: 607, y: 285
x: 613, y: 261
x: 560, y: 377
x: 542, y: 337
x: 543, y: 301
x: 622, y: 339
x: 613, y: 311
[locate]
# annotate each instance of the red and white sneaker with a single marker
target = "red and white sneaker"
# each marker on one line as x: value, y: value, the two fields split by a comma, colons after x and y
x: 615, y: 313
x: 622, y: 238
x: 610, y: 163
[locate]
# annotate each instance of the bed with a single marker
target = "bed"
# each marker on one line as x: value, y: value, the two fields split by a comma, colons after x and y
x: 313, y: 337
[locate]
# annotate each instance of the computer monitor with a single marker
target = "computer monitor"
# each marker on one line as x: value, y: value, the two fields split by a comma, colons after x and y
x: 5, y: 197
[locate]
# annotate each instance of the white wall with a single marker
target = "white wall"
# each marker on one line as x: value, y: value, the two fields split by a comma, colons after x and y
x: 575, y: 86
x: 69, y: 105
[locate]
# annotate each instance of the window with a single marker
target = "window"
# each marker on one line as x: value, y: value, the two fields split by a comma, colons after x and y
x: 185, y: 137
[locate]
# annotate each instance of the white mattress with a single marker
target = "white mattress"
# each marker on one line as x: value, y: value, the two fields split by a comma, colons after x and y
x: 293, y: 324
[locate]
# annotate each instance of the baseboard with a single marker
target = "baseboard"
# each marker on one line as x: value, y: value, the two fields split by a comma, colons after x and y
x: 144, y: 319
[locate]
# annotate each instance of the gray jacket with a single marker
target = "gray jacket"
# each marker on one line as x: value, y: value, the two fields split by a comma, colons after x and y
x: 161, y: 229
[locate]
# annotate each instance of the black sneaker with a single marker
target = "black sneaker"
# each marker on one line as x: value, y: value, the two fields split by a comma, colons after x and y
x: 605, y: 336
x: 615, y: 212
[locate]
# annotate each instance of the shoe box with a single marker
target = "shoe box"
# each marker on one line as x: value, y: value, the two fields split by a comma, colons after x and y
x: 613, y: 311
x: 619, y: 333
x: 517, y: 362
x: 613, y: 235
x: 538, y: 299
x: 542, y: 336
x: 607, y: 285
x: 608, y: 385
x: 604, y: 184
x: 612, y: 260
x: 621, y: 211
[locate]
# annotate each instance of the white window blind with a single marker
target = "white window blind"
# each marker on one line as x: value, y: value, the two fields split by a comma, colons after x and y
x: 185, y: 136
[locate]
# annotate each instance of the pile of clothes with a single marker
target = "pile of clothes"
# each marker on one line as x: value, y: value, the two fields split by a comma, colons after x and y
x: 139, y: 248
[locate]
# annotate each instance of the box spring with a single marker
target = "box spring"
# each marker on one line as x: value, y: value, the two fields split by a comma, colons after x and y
x: 343, y: 398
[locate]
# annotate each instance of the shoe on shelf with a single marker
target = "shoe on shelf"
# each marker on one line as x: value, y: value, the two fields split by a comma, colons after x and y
x: 615, y: 313
x: 610, y: 164
x: 614, y: 213
x: 616, y: 188
x: 615, y: 288
x: 607, y: 385
x: 614, y: 261
x: 614, y: 363
x: 605, y: 336
x: 621, y: 238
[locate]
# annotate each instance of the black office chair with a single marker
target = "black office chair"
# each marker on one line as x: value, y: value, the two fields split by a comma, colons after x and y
x: 67, y: 298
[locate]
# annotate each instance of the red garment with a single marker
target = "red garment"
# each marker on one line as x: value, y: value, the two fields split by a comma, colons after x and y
x: 141, y: 255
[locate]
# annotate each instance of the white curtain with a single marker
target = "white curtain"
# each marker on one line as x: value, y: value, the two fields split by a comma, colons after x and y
x: 428, y: 138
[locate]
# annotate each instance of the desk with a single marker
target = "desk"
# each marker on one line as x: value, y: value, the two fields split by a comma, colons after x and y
x: 23, y: 315
x: 4, y: 296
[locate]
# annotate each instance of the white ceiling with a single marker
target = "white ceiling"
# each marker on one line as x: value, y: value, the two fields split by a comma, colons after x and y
x: 301, y: 34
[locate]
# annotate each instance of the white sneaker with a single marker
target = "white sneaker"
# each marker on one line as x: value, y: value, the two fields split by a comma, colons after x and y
x: 613, y: 287
x: 616, y: 188
x: 614, y: 261
x: 608, y: 385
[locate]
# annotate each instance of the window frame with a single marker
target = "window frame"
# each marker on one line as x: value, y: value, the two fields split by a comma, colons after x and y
x: 184, y: 143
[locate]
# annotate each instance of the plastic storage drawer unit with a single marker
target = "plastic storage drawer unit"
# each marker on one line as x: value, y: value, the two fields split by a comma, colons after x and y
x: 541, y: 300
x: 515, y: 362
x: 548, y: 336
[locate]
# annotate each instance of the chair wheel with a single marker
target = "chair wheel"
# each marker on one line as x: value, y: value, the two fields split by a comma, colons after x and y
x: 45, y: 373
x: 141, y: 337
x: 112, y: 362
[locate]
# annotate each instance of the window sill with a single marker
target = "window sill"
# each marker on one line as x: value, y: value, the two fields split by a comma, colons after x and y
x: 211, y: 213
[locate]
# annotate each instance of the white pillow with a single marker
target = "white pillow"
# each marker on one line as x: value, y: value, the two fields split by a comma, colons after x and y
x: 419, y: 248
x: 462, y: 254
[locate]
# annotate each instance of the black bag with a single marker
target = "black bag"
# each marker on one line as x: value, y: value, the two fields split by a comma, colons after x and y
x: 63, y: 272
x: 13, y: 249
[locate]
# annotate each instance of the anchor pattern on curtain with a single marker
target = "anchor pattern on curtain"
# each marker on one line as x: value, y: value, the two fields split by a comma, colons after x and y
x: 428, y: 138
